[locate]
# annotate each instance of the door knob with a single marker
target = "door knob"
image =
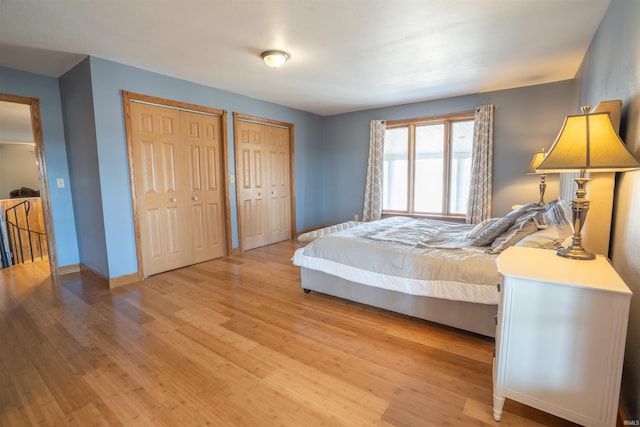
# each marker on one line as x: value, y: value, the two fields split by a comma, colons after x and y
x: 195, y: 198
x: 173, y: 199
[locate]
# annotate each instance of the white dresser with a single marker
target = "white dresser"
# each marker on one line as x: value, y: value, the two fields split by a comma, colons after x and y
x: 561, y: 334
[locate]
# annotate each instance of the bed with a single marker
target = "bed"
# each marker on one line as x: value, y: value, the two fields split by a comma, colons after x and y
x: 439, y: 271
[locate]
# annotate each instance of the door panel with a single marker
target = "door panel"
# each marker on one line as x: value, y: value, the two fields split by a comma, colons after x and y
x: 157, y: 156
x: 279, y: 186
x: 203, y: 134
x: 169, y: 165
x: 253, y: 213
x: 198, y: 217
x: 211, y: 171
x: 214, y: 213
x: 148, y: 169
x: 195, y: 172
x: 173, y: 233
x: 153, y: 227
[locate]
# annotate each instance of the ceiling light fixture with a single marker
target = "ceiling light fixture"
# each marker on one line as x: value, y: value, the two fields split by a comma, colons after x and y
x: 274, y: 58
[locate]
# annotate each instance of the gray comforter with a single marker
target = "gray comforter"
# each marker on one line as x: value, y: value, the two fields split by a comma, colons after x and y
x: 420, y: 257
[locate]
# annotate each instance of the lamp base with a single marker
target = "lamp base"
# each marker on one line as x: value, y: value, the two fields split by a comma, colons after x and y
x: 575, y: 253
x: 579, y: 209
x: 543, y: 187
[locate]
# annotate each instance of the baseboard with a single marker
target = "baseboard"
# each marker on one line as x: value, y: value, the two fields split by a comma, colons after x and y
x: 94, y: 275
x: 68, y: 269
x: 110, y: 283
x: 123, y: 280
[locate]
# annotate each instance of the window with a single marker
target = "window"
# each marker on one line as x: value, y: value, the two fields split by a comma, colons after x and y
x: 427, y: 166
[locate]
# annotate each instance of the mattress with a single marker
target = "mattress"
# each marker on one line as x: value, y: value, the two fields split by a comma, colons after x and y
x: 416, y: 257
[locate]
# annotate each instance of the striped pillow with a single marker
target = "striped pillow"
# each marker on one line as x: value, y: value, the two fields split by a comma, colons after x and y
x: 558, y: 215
x: 503, y: 224
x: 526, y: 225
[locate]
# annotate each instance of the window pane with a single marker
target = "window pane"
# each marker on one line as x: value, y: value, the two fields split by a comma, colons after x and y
x: 461, y: 150
x: 396, y: 161
x: 428, y: 186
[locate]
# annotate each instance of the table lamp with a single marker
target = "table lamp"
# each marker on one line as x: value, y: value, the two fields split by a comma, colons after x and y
x: 533, y: 170
x: 586, y: 142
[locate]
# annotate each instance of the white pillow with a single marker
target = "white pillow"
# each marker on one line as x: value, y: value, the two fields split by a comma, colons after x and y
x: 558, y: 214
x: 549, y: 238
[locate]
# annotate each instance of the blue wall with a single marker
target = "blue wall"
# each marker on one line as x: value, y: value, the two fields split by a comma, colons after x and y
x: 80, y: 131
x: 47, y: 91
x: 611, y: 70
x: 108, y: 79
x: 330, y: 152
x: 526, y: 120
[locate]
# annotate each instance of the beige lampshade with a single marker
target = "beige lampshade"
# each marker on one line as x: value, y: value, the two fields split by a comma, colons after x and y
x: 588, y: 142
x: 535, y: 162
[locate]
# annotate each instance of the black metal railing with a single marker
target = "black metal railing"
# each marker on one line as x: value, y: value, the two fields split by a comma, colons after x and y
x: 22, y: 237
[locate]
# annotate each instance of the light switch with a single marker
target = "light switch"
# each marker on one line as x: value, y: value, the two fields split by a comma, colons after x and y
x: 60, y: 182
x: 232, y: 179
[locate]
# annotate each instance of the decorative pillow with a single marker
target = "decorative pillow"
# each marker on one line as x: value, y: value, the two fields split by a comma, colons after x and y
x: 489, y: 234
x: 549, y: 238
x: 525, y: 225
x: 558, y: 213
x: 479, y: 228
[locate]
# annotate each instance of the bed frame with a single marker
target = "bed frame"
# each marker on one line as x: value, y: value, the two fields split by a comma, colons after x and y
x: 477, y: 318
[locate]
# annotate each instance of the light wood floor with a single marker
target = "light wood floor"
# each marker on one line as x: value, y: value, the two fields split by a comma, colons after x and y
x: 231, y: 342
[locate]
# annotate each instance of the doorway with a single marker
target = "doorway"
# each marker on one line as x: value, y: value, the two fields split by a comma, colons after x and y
x: 27, y: 226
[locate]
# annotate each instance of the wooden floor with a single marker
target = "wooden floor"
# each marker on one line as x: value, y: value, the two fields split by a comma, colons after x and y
x: 231, y: 342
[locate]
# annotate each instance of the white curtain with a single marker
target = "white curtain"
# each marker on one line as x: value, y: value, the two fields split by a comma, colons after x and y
x: 479, y: 204
x: 372, y: 209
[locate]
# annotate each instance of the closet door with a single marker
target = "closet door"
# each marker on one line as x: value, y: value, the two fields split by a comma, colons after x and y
x: 203, y: 138
x: 263, y: 167
x: 278, y: 183
x: 252, y: 190
x: 158, y: 162
x: 177, y: 165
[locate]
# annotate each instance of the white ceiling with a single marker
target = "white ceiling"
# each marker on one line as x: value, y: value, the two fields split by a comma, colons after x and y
x: 346, y: 55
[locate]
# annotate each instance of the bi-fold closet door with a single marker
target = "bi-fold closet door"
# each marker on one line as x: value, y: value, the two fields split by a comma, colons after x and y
x: 263, y: 163
x: 178, y: 186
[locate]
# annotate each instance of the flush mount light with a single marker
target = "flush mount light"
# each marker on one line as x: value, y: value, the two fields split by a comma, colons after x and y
x: 274, y: 58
